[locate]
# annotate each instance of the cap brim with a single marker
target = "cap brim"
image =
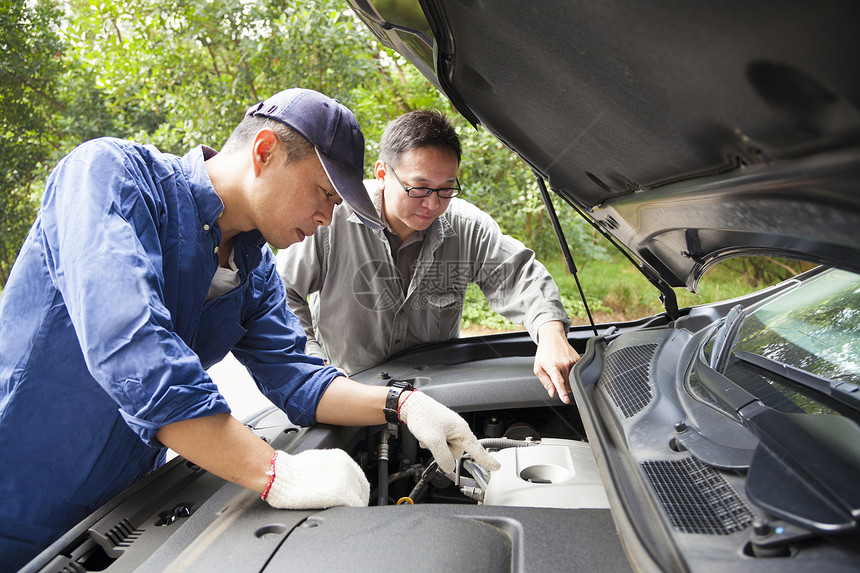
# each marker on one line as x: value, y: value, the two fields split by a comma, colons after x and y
x: 350, y: 187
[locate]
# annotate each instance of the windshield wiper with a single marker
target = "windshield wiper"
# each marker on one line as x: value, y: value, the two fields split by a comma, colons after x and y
x: 842, y: 392
x: 727, y: 333
x: 805, y: 468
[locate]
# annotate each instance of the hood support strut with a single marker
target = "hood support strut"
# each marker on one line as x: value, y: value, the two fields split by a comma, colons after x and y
x: 562, y: 241
x: 667, y: 295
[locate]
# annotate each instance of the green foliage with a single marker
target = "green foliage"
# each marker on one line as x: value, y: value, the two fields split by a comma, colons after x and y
x: 617, y: 291
x: 499, y: 182
x: 476, y: 311
x: 576, y: 308
x: 29, y: 66
x: 395, y: 88
x: 764, y: 270
x: 178, y: 73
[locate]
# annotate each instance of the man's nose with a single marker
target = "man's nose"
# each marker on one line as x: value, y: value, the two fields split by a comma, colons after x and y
x: 431, y: 201
x: 325, y: 215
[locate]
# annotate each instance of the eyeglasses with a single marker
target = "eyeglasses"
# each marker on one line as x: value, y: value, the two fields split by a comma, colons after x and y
x: 421, y: 192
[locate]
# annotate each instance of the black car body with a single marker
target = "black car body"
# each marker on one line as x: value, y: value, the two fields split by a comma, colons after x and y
x: 723, y: 436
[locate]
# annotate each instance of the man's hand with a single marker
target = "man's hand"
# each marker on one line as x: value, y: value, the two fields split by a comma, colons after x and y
x: 316, y: 479
x: 554, y: 359
x: 442, y: 431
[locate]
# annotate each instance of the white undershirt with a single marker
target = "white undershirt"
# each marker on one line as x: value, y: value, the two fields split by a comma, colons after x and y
x: 224, y: 280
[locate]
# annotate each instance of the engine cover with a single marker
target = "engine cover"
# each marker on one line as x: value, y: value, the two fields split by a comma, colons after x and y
x: 555, y: 473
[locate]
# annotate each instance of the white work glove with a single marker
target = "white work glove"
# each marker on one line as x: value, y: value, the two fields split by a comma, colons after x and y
x: 443, y: 432
x: 316, y: 479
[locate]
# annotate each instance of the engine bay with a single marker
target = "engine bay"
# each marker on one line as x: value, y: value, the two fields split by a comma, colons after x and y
x: 544, y: 463
x: 540, y: 443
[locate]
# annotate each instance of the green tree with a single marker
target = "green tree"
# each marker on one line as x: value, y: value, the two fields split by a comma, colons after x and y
x: 30, y: 64
x: 178, y: 73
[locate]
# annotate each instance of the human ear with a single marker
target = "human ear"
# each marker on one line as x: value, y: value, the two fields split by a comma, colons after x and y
x: 263, y: 149
x: 379, y: 172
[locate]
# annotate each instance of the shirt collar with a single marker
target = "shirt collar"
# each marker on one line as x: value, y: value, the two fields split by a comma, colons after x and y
x: 209, y: 204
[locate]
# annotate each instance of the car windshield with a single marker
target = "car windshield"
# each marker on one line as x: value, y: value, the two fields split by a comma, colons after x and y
x: 798, y: 351
x: 813, y: 327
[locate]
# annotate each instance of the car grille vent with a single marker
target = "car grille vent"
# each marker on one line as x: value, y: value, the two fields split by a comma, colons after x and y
x: 625, y: 377
x: 118, y: 539
x: 697, y: 498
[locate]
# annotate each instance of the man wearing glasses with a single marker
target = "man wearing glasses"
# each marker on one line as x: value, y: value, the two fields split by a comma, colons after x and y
x: 405, y: 284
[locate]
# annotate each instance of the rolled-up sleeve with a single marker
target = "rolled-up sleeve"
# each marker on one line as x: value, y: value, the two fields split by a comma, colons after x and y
x: 101, y: 239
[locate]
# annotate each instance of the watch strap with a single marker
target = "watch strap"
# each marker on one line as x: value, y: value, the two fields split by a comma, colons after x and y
x: 391, y: 400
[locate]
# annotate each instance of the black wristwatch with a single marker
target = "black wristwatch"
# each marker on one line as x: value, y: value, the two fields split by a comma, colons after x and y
x: 394, y: 392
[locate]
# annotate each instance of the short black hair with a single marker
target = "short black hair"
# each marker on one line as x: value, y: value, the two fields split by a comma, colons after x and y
x: 421, y: 128
x: 298, y: 148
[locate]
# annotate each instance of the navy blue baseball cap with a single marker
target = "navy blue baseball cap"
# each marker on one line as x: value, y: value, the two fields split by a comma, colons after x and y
x: 334, y: 132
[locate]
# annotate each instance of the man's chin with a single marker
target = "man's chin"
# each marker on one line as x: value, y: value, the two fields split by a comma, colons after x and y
x: 421, y: 223
x: 286, y: 242
x: 297, y: 237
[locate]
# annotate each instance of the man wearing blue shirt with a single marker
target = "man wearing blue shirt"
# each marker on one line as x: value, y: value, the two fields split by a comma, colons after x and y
x: 142, y: 270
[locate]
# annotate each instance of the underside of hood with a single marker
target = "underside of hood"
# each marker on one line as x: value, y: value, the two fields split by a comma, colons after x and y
x: 690, y: 132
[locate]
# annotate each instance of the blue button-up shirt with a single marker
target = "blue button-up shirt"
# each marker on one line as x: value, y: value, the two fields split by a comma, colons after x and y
x: 105, y: 333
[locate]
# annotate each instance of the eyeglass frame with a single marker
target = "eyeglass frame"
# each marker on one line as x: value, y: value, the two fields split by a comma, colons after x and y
x: 457, y: 190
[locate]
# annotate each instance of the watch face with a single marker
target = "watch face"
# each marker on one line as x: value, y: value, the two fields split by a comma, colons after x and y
x: 405, y: 385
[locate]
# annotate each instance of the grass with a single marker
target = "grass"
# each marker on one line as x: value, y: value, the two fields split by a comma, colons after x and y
x: 617, y: 291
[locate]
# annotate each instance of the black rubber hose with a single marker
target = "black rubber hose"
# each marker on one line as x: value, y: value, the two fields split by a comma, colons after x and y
x: 382, y: 488
x: 421, y: 486
x: 410, y: 447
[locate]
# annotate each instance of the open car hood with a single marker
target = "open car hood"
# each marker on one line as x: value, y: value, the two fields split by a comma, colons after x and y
x: 689, y: 132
